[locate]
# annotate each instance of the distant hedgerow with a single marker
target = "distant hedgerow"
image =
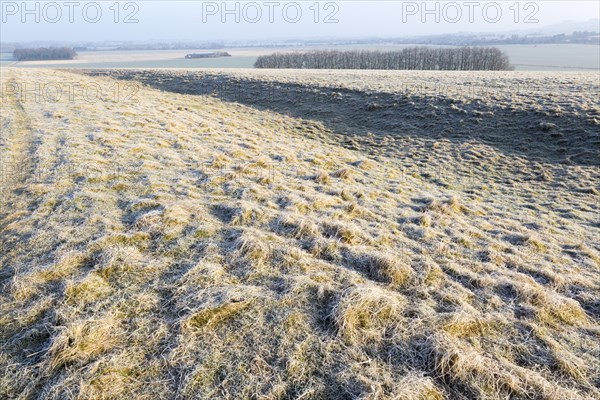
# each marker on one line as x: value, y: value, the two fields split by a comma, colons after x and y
x: 412, y: 58
x: 44, y: 53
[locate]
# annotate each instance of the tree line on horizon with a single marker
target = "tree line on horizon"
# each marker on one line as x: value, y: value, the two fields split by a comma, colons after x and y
x: 45, y: 53
x: 411, y: 58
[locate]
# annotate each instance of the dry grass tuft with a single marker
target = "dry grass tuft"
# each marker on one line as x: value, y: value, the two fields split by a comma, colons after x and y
x: 528, y: 240
x: 306, y: 229
x: 83, y: 341
x: 343, y: 173
x: 150, y: 221
x: 566, y: 362
x: 298, y: 228
x: 325, y: 249
x: 322, y: 177
x: 558, y: 312
x: 252, y: 247
x: 417, y: 387
x: 345, y: 232
x: 486, y: 377
x: 365, y: 313
x: 365, y: 165
x: 211, y: 316
x: 460, y: 363
x: 355, y: 210
x: 384, y: 267
x: 551, y: 309
x: 219, y: 161
x: 447, y: 206
x: 424, y: 220
x: 262, y: 162
x: 347, y: 196
x: 247, y: 215
x: 87, y: 291
x: 466, y: 326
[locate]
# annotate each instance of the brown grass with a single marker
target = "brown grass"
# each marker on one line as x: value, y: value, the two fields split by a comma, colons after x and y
x: 197, y: 246
x: 366, y: 313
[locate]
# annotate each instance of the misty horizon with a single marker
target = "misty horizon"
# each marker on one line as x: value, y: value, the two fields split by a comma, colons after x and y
x: 148, y: 21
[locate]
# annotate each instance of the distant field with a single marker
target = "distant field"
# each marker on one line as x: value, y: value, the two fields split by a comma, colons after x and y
x: 553, y: 57
x: 260, y: 234
x: 524, y: 57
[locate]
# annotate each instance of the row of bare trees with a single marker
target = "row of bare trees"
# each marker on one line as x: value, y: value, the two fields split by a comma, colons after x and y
x: 44, y: 53
x: 411, y: 58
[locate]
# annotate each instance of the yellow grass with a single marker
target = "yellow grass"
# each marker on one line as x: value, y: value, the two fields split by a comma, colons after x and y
x: 193, y: 246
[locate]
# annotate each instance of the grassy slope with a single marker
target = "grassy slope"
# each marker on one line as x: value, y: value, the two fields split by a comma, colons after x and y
x: 188, y: 246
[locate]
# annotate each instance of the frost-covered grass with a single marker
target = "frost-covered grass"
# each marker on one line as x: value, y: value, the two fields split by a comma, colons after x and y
x: 191, y: 246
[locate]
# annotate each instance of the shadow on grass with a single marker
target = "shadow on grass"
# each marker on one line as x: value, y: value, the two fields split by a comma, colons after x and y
x: 360, y: 119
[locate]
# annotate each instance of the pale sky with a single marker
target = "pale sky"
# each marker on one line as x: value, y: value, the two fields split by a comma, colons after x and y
x: 275, y: 20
